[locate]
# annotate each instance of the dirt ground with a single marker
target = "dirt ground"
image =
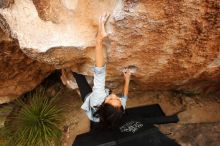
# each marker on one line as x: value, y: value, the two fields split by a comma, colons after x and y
x: 199, y: 116
x: 200, y: 134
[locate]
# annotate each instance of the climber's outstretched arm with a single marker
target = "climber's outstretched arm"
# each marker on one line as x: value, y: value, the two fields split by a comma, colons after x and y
x: 127, y: 76
x: 99, y: 52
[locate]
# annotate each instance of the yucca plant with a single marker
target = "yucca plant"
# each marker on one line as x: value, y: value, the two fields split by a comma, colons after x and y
x: 36, y: 123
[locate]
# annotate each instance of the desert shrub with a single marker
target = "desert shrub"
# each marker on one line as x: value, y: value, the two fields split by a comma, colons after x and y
x: 36, y: 123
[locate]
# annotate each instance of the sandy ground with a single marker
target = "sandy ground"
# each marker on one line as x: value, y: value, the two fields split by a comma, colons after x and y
x: 203, y: 134
x: 198, y: 116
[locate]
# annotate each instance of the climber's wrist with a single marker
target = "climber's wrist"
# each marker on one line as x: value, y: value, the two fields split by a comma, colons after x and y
x: 98, y: 41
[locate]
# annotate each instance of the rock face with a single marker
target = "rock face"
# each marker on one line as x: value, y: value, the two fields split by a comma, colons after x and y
x: 174, y: 44
x: 5, y: 3
x: 18, y: 73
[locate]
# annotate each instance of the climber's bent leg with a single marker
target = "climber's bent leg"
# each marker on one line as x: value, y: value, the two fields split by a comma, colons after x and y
x: 83, y: 85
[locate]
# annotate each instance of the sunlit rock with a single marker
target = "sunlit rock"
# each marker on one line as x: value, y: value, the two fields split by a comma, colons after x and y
x: 174, y: 44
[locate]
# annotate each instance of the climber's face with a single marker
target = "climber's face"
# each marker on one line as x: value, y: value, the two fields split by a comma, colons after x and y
x: 113, y: 100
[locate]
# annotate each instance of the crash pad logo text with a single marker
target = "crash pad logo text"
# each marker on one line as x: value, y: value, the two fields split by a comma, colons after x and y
x: 131, y: 126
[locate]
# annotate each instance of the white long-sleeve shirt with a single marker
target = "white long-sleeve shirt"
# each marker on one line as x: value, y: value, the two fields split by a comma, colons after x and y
x: 98, y: 94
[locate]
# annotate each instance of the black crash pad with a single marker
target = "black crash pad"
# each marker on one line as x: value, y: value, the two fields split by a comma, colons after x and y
x: 136, y: 130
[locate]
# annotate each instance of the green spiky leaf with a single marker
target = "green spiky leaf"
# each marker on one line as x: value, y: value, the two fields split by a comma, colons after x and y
x: 36, y: 123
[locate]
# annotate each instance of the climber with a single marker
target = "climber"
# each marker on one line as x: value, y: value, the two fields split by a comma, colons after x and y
x: 100, y: 105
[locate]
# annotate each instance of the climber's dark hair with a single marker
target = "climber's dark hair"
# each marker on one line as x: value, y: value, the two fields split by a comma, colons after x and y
x: 109, y: 115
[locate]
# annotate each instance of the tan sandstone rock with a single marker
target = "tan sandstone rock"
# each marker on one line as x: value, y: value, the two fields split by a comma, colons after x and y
x: 18, y: 73
x: 174, y: 44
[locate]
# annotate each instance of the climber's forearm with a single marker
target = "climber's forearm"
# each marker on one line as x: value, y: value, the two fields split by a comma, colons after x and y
x: 99, y: 53
x: 126, y: 87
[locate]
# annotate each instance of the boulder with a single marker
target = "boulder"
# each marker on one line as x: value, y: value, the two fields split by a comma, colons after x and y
x: 174, y: 44
x: 18, y: 73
